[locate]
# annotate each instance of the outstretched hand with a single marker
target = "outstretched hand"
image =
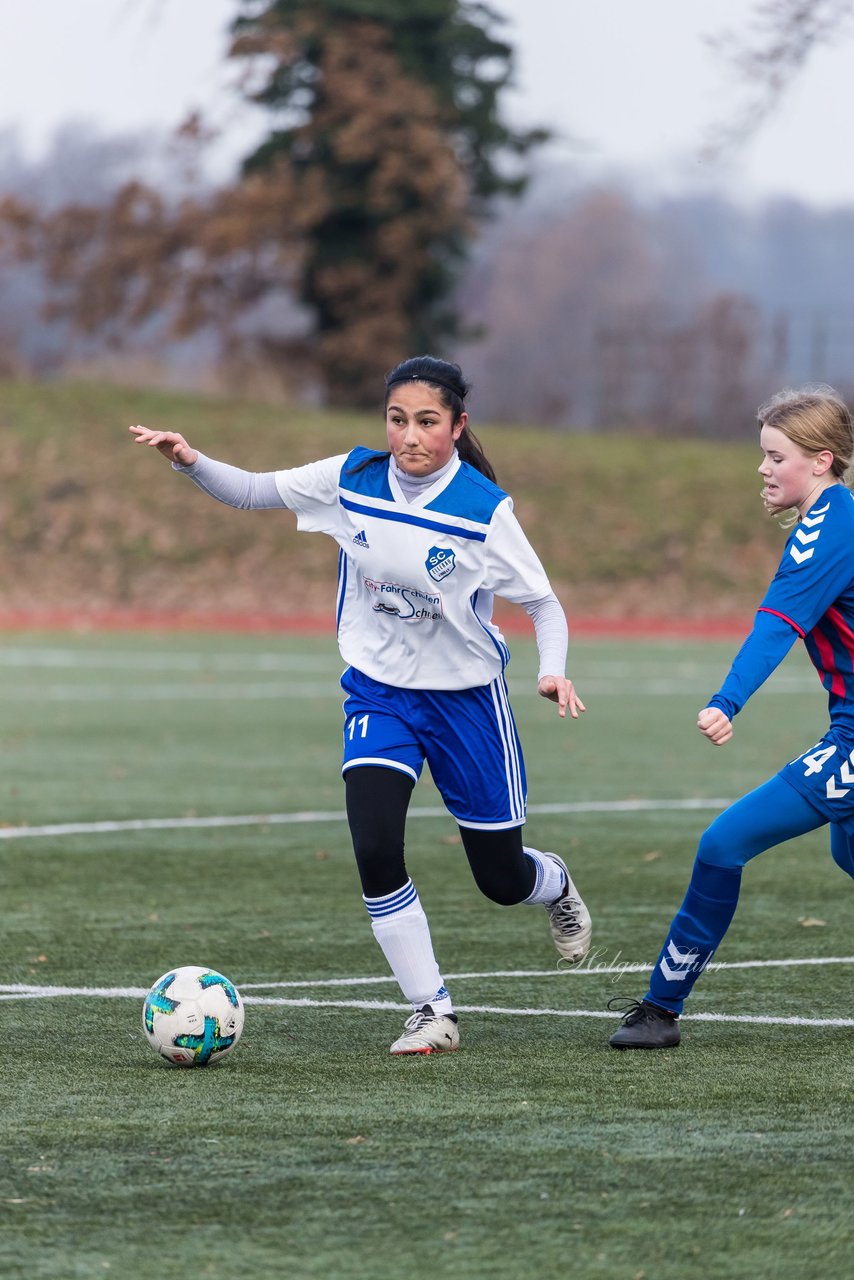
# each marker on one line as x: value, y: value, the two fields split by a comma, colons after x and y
x: 714, y: 725
x: 560, y: 690
x: 172, y: 445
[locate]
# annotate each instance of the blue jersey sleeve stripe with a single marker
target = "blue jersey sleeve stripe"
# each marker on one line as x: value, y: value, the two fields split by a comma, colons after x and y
x: 403, y: 518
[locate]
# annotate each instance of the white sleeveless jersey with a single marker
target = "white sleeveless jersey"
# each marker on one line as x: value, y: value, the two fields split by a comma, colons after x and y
x: 416, y: 579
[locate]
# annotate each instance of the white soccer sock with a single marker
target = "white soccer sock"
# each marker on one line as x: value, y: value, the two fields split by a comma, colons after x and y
x: 400, y: 927
x: 549, y: 884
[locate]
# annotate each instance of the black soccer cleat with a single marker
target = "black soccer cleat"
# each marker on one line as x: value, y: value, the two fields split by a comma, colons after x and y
x: 645, y: 1026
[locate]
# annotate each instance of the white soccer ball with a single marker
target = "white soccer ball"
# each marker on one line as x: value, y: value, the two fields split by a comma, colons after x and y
x: 193, y: 1016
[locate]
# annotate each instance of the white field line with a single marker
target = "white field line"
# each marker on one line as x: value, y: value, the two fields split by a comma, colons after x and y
x: 337, y: 815
x: 268, y: 691
x: 23, y: 991
x: 106, y: 659
x: 611, y: 679
x: 199, y: 692
x: 306, y: 1002
x: 149, y: 660
x: 328, y: 662
x: 501, y: 1010
x: 583, y: 971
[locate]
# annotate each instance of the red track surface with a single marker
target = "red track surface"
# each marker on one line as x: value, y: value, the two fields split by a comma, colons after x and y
x: 271, y: 623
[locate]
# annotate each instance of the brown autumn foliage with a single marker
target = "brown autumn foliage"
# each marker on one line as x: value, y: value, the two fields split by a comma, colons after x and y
x: 208, y: 261
x: 18, y: 222
x: 200, y: 262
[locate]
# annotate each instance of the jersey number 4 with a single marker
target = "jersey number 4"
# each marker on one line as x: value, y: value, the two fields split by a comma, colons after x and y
x: 815, y: 761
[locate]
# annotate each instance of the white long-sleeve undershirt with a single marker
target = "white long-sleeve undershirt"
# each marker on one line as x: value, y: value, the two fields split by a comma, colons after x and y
x: 248, y: 490
x: 257, y: 490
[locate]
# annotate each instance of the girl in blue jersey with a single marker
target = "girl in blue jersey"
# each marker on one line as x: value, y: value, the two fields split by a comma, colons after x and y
x: 807, y: 445
x: 426, y: 539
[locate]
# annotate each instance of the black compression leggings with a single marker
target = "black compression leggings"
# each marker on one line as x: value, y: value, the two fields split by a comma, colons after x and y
x: 377, y: 801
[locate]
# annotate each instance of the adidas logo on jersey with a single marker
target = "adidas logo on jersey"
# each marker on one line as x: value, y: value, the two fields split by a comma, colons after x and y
x: 360, y: 539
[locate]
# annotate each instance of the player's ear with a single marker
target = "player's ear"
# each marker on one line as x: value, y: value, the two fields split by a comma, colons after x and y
x: 822, y: 462
x: 460, y: 425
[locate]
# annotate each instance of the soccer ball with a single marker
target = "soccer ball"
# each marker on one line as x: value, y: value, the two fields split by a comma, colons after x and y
x: 193, y: 1016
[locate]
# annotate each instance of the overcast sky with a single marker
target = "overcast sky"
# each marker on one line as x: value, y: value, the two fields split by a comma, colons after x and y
x: 630, y: 85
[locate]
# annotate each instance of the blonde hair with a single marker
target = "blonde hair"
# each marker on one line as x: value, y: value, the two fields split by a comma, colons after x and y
x: 815, y: 418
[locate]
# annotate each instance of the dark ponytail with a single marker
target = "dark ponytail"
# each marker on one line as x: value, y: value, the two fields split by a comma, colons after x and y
x: 447, y: 381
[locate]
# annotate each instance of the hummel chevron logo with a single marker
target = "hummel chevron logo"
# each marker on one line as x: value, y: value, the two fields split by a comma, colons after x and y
x: 684, y: 962
x: 816, y: 519
x: 360, y: 539
x: 846, y: 774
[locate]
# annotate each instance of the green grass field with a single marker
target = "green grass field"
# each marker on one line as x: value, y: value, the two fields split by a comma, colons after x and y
x: 310, y: 1152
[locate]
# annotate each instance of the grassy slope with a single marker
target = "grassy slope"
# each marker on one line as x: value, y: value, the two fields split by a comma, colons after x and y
x: 624, y: 525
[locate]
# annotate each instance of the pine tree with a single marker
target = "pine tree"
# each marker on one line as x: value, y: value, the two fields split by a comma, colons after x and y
x: 387, y: 126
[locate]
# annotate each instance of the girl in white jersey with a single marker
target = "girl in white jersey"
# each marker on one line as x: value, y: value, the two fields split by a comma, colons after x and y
x: 426, y: 539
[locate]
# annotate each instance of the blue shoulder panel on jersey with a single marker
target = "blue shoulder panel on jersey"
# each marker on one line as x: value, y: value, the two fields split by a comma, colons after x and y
x: 469, y: 495
x: 365, y: 471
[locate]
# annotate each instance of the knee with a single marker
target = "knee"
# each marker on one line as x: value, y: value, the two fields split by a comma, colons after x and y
x: 503, y: 890
x: 841, y: 851
x: 717, y: 848
x: 501, y: 869
x: 843, y: 860
x: 501, y: 895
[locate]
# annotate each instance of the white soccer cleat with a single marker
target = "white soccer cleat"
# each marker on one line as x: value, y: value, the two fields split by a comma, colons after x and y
x: 569, y: 921
x: 428, y: 1032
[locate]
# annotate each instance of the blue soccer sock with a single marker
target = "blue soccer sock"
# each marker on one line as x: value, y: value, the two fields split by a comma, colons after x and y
x: 774, y: 812
x: 695, y: 934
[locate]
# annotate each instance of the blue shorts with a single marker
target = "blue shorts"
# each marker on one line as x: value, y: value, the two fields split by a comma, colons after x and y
x: 824, y: 776
x: 467, y: 736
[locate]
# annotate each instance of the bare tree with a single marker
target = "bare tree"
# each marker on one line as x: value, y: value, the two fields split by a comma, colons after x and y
x: 767, y: 56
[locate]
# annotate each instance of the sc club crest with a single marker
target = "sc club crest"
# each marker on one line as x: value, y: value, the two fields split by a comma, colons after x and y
x: 440, y: 562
